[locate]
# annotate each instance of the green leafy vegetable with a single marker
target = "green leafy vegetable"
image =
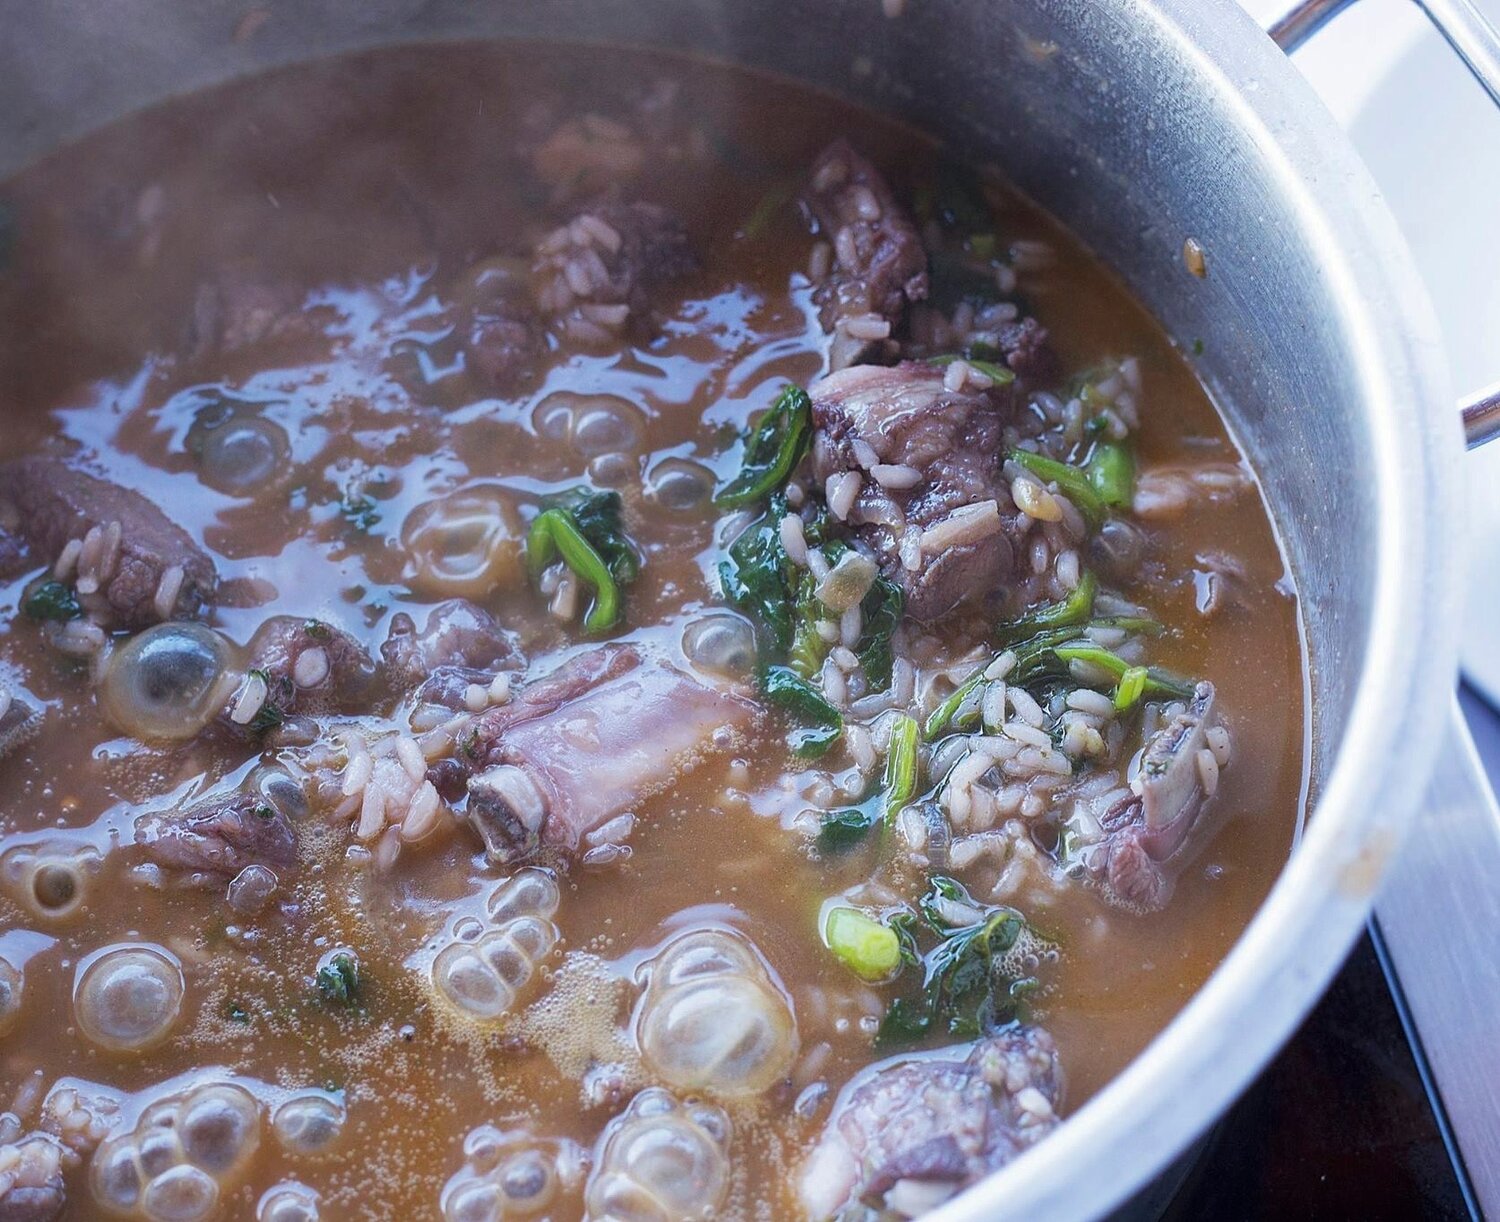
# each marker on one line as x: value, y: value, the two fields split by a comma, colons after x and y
x: 941, y: 718
x: 998, y: 374
x: 1156, y: 683
x: 1111, y: 473
x: 772, y: 450
x: 359, y: 510
x: 52, y: 600
x: 1131, y: 688
x: 965, y: 990
x: 554, y: 532
x: 808, y: 647
x: 1075, y: 609
x: 338, y: 979
x: 1073, y: 482
x: 881, y: 611
x: 597, y: 514
x: 842, y: 829
x: 821, y: 723
x: 756, y: 578
x: 871, y: 950
x: 270, y: 714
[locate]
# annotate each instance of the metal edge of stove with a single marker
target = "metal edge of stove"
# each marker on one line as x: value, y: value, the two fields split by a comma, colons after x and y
x: 1435, y: 926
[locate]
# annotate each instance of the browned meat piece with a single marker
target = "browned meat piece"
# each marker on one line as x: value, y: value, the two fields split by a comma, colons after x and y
x: 20, y: 720
x: 591, y: 746
x: 1026, y: 349
x: 932, y: 504
x: 133, y: 567
x: 503, y: 344
x: 568, y: 682
x: 237, y: 307
x: 31, y: 1179
x: 1145, y: 830
x: 906, y: 1135
x: 299, y: 665
x: 457, y: 634
x: 878, y: 263
x: 15, y: 555
x: 595, y: 275
x: 219, y: 836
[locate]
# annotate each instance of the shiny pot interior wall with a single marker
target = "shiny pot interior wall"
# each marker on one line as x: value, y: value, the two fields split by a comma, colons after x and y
x: 1076, y: 103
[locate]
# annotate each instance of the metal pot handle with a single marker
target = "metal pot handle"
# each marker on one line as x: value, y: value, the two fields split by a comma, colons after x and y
x: 1477, y: 43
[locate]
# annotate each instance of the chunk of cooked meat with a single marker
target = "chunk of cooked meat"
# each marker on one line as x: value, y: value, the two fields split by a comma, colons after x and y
x: 1025, y: 346
x: 877, y: 264
x: 616, y: 729
x: 303, y: 666
x: 595, y: 276
x: 15, y: 554
x: 219, y: 836
x: 457, y: 633
x: 503, y: 343
x: 1145, y: 830
x: 132, y: 566
x: 908, y: 1134
x: 20, y: 720
x: 238, y: 306
x: 31, y: 1179
x: 932, y: 505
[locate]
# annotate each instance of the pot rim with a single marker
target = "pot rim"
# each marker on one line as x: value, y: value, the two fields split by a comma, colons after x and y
x: 1198, y: 1065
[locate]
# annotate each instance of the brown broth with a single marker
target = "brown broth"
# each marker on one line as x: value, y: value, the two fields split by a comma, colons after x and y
x: 368, y: 180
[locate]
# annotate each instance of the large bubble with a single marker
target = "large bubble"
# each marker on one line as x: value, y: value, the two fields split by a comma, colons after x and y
x: 12, y: 989
x: 509, y: 1175
x: 51, y: 879
x: 169, y: 681
x: 661, y: 1161
x: 128, y: 997
x: 185, y: 1151
x: 488, y: 962
x: 465, y: 544
x: 308, y: 1123
x: 712, y: 1019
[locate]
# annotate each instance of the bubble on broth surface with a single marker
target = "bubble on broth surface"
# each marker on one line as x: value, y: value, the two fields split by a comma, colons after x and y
x: 51, y: 879
x: 308, y: 1123
x: 712, y: 1020
x: 184, y: 1151
x: 592, y: 424
x: 486, y: 963
x: 12, y: 992
x: 465, y: 544
x: 661, y: 1161
x: 128, y: 997
x: 679, y: 484
x: 288, y: 1202
x: 244, y: 455
x: 509, y: 1175
x: 720, y: 641
x: 169, y: 681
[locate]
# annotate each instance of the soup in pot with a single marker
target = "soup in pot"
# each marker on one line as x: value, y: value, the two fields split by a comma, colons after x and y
x: 595, y: 635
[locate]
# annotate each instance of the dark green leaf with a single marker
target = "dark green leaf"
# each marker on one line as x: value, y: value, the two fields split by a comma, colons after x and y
x: 756, y: 578
x: 555, y: 532
x: 772, y: 450
x: 881, y: 611
x: 819, y: 723
x: 52, y: 600
x: 338, y: 979
x: 1075, y: 609
x: 597, y: 513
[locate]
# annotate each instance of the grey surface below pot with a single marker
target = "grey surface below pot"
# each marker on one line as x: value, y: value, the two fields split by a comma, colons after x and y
x: 1140, y: 125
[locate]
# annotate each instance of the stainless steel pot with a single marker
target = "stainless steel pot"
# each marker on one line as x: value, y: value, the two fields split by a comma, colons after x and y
x: 1140, y: 123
